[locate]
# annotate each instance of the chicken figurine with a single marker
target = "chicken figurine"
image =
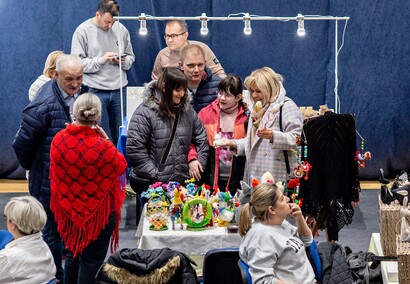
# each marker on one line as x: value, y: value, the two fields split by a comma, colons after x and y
x: 225, y: 214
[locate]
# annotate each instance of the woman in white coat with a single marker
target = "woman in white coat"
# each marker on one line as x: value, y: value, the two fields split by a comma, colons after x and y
x: 27, y: 258
x: 276, y: 122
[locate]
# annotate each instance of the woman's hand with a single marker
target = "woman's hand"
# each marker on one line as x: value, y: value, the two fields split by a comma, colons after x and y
x: 265, y: 134
x: 195, y: 170
x: 295, y: 210
x: 225, y: 143
x: 101, y: 131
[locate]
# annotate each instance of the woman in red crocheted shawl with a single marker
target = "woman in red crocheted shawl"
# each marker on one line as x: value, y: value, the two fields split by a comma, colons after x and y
x: 86, y: 192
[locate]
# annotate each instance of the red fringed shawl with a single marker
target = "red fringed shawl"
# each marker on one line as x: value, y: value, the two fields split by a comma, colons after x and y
x: 85, y: 186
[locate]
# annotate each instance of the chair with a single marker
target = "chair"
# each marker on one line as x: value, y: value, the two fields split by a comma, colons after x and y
x: 244, y: 268
x: 221, y: 266
x: 5, y: 238
x: 315, y: 261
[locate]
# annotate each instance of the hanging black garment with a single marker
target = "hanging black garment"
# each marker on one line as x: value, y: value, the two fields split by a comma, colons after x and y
x: 333, y: 182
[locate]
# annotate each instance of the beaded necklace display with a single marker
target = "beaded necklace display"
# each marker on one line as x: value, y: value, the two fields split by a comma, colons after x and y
x: 301, y: 169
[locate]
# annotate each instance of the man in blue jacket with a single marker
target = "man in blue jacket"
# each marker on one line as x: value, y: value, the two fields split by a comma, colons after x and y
x: 202, y: 84
x: 41, y: 120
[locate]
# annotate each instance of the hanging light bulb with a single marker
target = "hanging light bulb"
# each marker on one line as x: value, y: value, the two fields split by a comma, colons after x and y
x: 143, y: 24
x: 247, y: 29
x: 204, y: 24
x: 301, y: 25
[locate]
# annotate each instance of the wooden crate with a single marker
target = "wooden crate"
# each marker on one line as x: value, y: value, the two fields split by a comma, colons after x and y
x: 389, y: 215
x: 403, y: 260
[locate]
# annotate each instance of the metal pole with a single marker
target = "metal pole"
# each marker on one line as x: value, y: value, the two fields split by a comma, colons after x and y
x: 234, y: 18
x: 120, y: 71
x: 337, y: 108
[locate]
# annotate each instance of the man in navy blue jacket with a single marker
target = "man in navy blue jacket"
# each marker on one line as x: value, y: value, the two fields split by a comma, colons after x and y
x: 41, y: 120
x: 202, y: 84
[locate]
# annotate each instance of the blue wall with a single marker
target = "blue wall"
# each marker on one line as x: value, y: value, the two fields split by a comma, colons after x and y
x: 373, y: 64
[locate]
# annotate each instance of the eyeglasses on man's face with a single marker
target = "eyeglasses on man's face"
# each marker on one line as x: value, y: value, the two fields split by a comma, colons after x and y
x: 172, y: 36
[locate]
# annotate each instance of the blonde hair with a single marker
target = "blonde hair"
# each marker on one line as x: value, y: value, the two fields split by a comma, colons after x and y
x: 263, y: 196
x: 266, y: 80
x: 87, y: 108
x: 27, y: 213
x: 51, y: 62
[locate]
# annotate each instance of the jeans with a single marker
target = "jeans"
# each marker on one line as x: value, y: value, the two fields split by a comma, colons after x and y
x: 54, y: 242
x: 111, y: 119
x: 84, y: 267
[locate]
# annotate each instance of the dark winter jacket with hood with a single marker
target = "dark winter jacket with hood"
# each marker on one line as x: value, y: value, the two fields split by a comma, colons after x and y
x: 156, y: 266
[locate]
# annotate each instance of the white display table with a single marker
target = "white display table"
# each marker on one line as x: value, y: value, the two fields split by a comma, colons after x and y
x: 189, y: 242
x: 195, y: 244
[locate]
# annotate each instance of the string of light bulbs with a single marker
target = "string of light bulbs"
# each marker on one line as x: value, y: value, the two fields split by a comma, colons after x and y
x: 245, y: 17
x: 247, y: 30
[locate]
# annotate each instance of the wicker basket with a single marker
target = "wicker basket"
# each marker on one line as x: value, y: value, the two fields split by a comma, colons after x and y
x: 389, y: 215
x: 403, y: 260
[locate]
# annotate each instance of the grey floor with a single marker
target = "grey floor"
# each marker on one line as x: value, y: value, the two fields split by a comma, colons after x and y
x: 365, y: 222
x: 357, y: 235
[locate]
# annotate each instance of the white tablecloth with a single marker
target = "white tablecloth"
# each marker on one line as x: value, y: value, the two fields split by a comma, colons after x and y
x: 189, y: 242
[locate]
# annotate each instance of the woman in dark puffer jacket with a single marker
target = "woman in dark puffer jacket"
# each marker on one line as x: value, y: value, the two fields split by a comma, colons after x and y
x: 160, y: 133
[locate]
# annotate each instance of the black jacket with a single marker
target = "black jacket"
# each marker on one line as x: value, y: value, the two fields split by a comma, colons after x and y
x: 205, y: 94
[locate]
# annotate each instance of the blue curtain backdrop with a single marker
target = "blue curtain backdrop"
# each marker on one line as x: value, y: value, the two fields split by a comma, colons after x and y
x: 374, y: 63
